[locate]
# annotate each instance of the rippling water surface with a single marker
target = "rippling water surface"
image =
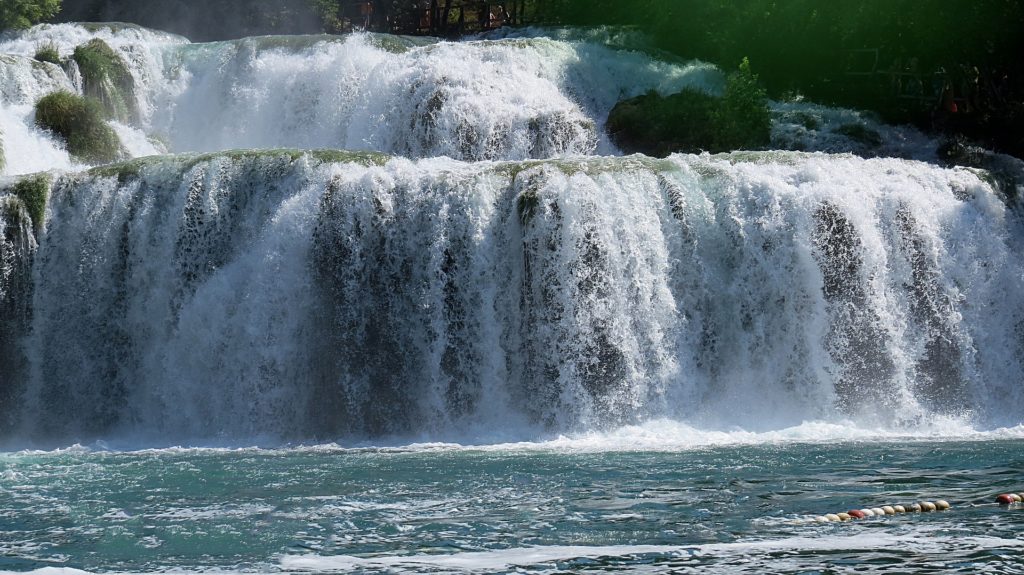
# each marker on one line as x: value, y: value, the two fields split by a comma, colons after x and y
x: 441, y: 509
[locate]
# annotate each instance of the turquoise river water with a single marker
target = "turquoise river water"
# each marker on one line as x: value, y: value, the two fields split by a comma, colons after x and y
x: 512, y: 509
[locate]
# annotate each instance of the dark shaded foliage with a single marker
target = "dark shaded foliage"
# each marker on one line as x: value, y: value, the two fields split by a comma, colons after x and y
x: 692, y: 121
x: 951, y: 65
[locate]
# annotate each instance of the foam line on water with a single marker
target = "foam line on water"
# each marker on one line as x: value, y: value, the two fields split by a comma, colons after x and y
x: 531, y: 556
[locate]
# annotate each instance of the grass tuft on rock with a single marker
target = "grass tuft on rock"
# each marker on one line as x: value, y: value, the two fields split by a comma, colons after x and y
x: 47, y: 52
x: 80, y: 122
x: 106, y: 77
x: 694, y: 121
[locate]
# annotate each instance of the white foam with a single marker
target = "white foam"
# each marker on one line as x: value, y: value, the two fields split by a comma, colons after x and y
x: 533, y: 556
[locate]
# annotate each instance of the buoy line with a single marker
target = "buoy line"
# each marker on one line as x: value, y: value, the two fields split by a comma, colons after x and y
x: 1010, y: 498
x: 1003, y: 500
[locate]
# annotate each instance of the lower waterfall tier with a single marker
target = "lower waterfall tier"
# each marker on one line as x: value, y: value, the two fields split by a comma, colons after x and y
x: 302, y: 296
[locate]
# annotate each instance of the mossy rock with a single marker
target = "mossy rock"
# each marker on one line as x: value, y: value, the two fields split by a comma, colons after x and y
x: 658, y: 126
x: 861, y: 134
x: 694, y: 121
x: 79, y: 121
x: 106, y: 77
x: 34, y: 192
x: 12, y: 211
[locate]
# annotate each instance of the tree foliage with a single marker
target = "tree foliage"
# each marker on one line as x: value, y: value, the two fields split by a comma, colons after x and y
x: 19, y: 14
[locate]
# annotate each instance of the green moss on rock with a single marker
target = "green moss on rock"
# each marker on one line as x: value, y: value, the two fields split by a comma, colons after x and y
x: 34, y: 192
x: 658, y: 126
x: 79, y: 122
x: 694, y: 121
x: 106, y: 77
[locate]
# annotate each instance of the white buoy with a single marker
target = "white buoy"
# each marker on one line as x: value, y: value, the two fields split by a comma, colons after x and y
x: 867, y: 512
x: 888, y: 510
x: 942, y: 505
x: 832, y: 517
x: 914, y: 508
x: 821, y: 519
x: 899, y: 509
x: 843, y: 516
x: 878, y: 511
x: 1017, y: 498
x: 927, y: 506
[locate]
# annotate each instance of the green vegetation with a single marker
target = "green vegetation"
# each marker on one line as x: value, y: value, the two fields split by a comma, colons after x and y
x: 951, y: 65
x: 47, y: 52
x: 106, y: 78
x: 743, y: 120
x: 34, y: 192
x: 20, y: 14
x: 80, y: 123
x: 526, y: 205
x: 692, y: 121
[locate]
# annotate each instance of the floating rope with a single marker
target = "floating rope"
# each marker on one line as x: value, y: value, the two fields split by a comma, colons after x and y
x: 854, y: 514
x: 1005, y: 499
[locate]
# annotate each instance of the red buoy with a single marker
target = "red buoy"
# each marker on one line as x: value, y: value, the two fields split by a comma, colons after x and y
x: 1004, y: 499
x: 856, y: 514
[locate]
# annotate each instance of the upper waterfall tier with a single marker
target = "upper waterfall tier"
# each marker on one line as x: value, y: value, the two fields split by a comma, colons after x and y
x: 487, y: 99
x: 506, y: 98
x: 295, y: 295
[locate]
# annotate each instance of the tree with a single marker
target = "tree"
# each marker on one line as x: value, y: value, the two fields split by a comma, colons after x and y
x: 20, y: 14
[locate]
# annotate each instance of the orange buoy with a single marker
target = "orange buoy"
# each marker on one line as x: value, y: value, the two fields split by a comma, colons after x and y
x: 857, y: 513
x: 1004, y: 499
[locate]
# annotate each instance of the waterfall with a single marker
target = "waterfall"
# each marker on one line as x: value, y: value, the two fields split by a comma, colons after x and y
x: 482, y: 261
x: 320, y: 295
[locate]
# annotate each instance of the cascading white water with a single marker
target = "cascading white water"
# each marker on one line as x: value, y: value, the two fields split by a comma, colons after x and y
x: 486, y: 99
x: 292, y: 296
x: 521, y: 285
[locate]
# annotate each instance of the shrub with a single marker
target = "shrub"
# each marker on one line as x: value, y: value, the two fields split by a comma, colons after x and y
x: 47, y: 52
x: 743, y: 120
x: 692, y: 121
x: 79, y: 122
x: 106, y: 77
